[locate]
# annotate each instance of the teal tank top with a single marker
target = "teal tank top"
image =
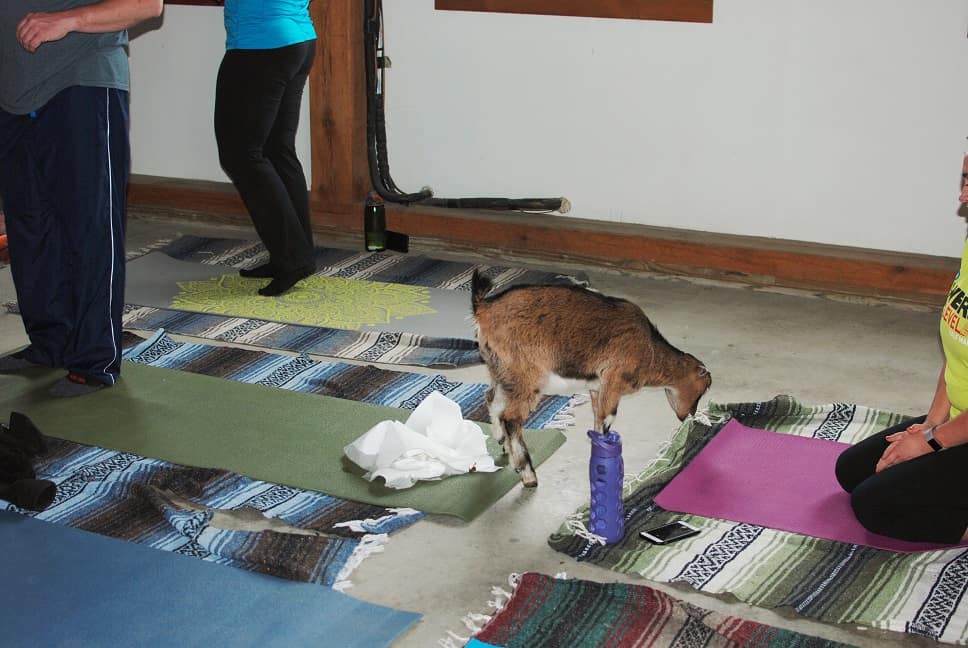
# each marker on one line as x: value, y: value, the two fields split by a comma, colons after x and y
x: 267, y: 24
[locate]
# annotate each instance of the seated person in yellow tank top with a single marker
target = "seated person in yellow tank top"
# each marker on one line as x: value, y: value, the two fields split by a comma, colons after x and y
x: 911, y: 481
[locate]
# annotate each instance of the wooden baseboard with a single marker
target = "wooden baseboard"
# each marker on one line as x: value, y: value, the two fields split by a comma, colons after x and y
x: 916, y: 278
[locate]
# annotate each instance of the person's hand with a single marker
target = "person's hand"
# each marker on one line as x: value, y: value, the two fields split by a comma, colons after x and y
x: 35, y: 29
x: 914, y: 428
x: 904, y: 446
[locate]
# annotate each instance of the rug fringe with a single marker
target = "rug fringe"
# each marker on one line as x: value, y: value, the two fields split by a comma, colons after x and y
x: 475, y: 621
x: 151, y: 247
x: 630, y: 483
x: 576, y: 525
x: 370, y: 544
x: 566, y: 417
x: 369, y: 524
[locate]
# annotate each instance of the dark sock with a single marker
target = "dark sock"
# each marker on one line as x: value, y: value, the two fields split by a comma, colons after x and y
x: 285, y: 281
x: 263, y: 271
x: 16, y: 362
x: 74, y: 385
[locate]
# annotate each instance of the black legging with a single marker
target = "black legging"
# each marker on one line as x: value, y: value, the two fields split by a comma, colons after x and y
x: 924, y: 499
x: 257, y: 100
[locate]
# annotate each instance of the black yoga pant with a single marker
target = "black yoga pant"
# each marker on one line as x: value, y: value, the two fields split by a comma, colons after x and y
x: 257, y: 100
x: 920, y: 500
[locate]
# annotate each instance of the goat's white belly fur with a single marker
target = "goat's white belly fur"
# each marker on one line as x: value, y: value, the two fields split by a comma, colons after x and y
x: 555, y: 384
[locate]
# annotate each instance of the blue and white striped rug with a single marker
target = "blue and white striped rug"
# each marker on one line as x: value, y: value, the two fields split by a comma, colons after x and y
x: 363, y: 383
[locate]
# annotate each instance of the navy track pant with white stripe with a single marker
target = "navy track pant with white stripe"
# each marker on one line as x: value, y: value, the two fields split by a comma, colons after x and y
x: 63, y: 178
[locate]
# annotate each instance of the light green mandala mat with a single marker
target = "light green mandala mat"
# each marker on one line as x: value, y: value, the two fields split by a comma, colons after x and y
x: 266, y: 433
x: 333, y: 302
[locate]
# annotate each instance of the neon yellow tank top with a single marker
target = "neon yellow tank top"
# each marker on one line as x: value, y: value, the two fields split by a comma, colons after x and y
x: 954, y: 339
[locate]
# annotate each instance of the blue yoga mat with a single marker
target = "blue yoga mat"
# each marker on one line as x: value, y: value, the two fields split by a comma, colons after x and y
x: 66, y: 587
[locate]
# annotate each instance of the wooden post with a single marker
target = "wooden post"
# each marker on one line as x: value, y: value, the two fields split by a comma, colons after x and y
x: 337, y: 111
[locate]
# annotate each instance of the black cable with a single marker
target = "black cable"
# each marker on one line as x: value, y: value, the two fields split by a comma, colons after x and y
x: 376, y: 137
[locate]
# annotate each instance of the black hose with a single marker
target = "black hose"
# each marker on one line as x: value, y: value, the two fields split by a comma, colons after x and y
x: 376, y: 137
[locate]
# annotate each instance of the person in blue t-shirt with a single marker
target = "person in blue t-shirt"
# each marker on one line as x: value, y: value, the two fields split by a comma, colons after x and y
x: 64, y: 165
x: 270, y: 45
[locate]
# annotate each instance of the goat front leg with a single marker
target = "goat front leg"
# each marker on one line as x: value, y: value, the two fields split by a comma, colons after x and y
x: 605, y: 402
x: 596, y: 412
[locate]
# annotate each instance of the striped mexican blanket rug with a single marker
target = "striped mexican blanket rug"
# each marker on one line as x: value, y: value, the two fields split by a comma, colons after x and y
x: 366, y: 346
x: 364, y: 383
x: 387, y: 266
x: 545, y: 612
x: 921, y: 593
x: 213, y: 514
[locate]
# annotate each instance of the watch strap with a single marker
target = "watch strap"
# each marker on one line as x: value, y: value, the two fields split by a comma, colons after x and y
x: 929, y: 437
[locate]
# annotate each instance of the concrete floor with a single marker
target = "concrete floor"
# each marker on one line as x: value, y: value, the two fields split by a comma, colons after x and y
x: 756, y: 343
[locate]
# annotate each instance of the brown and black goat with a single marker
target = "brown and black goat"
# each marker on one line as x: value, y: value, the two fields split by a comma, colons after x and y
x: 532, y: 337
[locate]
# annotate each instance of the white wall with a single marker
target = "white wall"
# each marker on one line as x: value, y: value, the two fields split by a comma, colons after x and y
x: 173, y: 72
x: 821, y: 120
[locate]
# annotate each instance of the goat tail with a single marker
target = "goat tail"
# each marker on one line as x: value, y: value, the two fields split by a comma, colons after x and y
x: 480, y: 286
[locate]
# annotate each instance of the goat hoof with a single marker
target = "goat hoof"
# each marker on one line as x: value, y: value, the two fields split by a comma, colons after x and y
x: 528, y: 478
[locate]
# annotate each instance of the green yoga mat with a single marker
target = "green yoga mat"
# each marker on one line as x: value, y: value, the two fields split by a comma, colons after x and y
x: 266, y: 433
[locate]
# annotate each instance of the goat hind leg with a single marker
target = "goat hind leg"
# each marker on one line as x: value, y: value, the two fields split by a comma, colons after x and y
x: 496, y: 402
x: 518, y: 455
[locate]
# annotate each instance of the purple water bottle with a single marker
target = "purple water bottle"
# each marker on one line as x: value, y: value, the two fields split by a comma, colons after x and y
x: 605, y: 474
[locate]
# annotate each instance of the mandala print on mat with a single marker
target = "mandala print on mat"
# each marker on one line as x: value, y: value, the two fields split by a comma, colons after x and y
x: 320, y: 301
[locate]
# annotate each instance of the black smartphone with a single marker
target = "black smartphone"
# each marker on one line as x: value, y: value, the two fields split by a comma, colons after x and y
x: 669, y: 532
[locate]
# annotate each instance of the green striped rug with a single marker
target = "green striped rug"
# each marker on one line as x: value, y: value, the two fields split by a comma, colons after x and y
x: 921, y: 594
x: 546, y: 612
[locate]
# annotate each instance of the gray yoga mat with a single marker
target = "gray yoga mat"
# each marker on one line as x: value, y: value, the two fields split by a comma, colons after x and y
x: 160, y: 281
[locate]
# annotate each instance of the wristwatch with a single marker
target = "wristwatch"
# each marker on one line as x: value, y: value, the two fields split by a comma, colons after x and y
x: 929, y: 437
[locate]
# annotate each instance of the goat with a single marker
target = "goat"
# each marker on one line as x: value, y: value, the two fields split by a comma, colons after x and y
x: 531, y: 337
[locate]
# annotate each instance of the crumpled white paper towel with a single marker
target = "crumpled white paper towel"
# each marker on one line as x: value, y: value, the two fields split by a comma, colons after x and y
x: 434, y: 443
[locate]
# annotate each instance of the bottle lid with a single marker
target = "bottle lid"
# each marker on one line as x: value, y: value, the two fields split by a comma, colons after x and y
x: 608, y: 444
x: 373, y: 198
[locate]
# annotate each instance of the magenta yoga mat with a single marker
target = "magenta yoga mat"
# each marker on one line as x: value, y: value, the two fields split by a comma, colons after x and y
x: 775, y: 480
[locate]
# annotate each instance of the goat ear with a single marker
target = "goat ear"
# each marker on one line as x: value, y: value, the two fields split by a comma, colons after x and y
x: 673, y: 399
x: 677, y: 405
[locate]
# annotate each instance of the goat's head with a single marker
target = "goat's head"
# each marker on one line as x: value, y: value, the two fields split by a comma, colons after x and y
x: 684, y: 395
